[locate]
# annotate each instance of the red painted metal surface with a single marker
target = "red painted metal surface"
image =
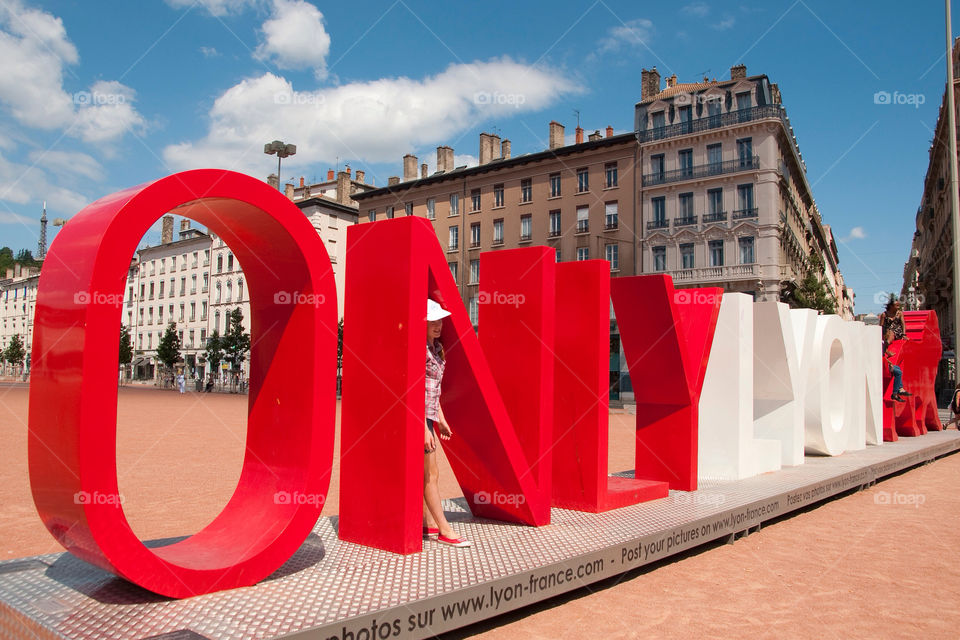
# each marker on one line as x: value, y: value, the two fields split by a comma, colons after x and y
x: 581, y: 401
x: 666, y: 336
x: 73, y: 395
x: 382, y: 410
x: 918, y: 357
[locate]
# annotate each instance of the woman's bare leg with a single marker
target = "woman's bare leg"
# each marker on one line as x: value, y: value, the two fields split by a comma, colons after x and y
x: 431, y: 495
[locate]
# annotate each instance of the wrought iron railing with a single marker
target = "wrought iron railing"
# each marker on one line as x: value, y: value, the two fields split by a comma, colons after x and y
x: 701, y: 171
x: 741, y: 214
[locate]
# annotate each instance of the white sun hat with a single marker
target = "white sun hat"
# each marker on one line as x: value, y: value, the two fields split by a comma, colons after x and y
x: 435, y: 311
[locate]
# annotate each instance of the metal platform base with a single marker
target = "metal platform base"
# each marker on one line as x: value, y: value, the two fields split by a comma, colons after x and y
x: 332, y: 589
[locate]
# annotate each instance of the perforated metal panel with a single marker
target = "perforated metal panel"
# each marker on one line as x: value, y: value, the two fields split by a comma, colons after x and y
x: 329, y: 588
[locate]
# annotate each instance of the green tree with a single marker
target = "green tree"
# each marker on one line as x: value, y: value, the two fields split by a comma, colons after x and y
x: 235, y: 342
x: 15, y: 351
x: 168, y: 351
x: 214, y: 351
x: 6, y: 260
x: 25, y: 257
x: 126, y: 346
x: 813, y: 292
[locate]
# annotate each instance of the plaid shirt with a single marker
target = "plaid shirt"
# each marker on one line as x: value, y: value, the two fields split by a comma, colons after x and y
x: 434, y: 375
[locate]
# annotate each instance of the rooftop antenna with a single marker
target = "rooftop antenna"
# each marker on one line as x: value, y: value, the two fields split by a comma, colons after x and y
x: 577, y: 112
x: 42, y: 244
x: 705, y: 74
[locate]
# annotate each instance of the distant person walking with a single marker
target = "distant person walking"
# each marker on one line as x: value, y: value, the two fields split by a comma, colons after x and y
x: 181, y: 382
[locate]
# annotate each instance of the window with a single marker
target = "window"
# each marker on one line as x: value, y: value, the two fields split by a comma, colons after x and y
x: 220, y: 263
x: 431, y: 208
x: 229, y: 262
x: 240, y: 290
x: 389, y: 213
x: 716, y: 253
x: 454, y: 204
x: 686, y: 206
x: 610, y: 173
x: 203, y: 310
x: 498, y: 231
x: 475, y: 200
x: 745, y: 151
x: 659, y: 211
x: 206, y: 257
x: 685, y: 160
x: 659, y: 122
x: 408, y: 208
x: 713, y: 110
x: 454, y: 238
x: 141, y: 291
x: 686, y: 255
x: 160, y: 295
x: 498, y: 195
x: 746, y: 250
x: 216, y: 321
x: 715, y: 157
x: 555, y: 223
x: 685, y: 119
x: 151, y: 292
x: 526, y: 227
x: 196, y: 258
x: 583, y: 180
x: 183, y: 285
x: 216, y: 298
x: 558, y: 254
x: 474, y: 235
x: 203, y: 336
x: 526, y: 190
x: 193, y: 310
x: 583, y: 253
x: 474, y: 272
x: 611, y: 219
x: 193, y: 283
x: 160, y: 314
x: 583, y: 219
x: 206, y: 282
x: 657, y: 167
x: 745, y: 199
x: 743, y: 104
x: 372, y: 215
x: 173, y: 263
x: 660, y: 258
x: 715, y: 202
x: 474, y: 309
x: 453, y: 270
x: 613, y: 257
x: 555, y: 185
x: 229, y: 291
x: 192, y: 332
x: 182, y: 308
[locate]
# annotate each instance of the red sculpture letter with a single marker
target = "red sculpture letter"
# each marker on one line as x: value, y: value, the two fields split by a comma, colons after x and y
x: 290, y: 425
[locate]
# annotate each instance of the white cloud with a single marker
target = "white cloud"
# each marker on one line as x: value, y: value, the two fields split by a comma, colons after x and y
x: 632, y: 33
x: 9, y: 217
x: 373, y: 121
x: 209, y: 52
x: 723, y: 25
x: 68, y: 162
x: 35, y: 50
x: 216, y: 8
x: 294, y: 37
x: 699, y: 9
x: 22, y: 184
x: 857, y: 233
x: 465, y: 160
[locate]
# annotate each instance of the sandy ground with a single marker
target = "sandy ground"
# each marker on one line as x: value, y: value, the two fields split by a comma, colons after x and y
x: 851, y: 567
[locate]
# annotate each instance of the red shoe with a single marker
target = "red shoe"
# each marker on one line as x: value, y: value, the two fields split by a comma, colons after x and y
x: 430, y: 532
x: 454, y: 542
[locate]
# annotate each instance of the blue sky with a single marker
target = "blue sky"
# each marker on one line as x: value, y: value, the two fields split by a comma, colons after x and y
x: 95, y: 97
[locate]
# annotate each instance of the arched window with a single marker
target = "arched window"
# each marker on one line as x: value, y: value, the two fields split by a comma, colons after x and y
x: 217, y: 298
x: 240, y: 290
x: 229, y: 291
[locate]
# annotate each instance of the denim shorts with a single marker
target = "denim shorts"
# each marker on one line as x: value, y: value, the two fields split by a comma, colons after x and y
x: 430, y: 426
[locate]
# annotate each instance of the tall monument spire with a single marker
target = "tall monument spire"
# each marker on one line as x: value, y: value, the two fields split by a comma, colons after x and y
x: 42, y: 244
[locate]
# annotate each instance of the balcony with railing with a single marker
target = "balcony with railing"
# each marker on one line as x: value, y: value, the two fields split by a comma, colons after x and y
x: 715, y: 274
x: 701, y: 171
x: 717, y: 216
x: 706, y: 123
x: 745, y: 214
x: 583, y: 226
x: 686, y: 221
x: 658, y: 224
x: 611, y: 224
x: 553, y: 233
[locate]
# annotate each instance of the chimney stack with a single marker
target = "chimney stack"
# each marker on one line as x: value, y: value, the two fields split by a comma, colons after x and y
x: 288, y: 190
x: 486, y: 148
x: 609, y: 131
x: 347, y: 168
x: 672, y: 81
x: 649, y: 83
x: 409, y: 167
x: 556, y: 134
x: 579, y: 134
x: 166, y: 230
x: 301, y: 182
x: 330, y: 175
x: 738, y: 71
x: 273, y: 181
x: 184, y: 224
x: 505, y: 149
x: 343, y: 188
x: 423, y: 170
x: 393, y: 180
x: 444, y: 158
x: 594, y: 136
x: 360, y: 175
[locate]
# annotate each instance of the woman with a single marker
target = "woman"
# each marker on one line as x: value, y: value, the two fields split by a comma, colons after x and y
x: 892, y: 320
x: 434, y: 521
x: 895, y: 371
x: 955, y: 408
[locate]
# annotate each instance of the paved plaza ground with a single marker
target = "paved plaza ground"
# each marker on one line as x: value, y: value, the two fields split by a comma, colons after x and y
x: 862, y: 565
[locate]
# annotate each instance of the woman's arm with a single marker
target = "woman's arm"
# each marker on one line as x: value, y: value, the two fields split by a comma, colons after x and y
x: 443, y: 427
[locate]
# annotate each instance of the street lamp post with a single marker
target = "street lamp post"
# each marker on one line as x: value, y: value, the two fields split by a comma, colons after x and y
x: 283, y: 151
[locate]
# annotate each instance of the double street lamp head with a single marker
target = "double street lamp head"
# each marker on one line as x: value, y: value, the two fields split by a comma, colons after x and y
x: 282, y: 150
